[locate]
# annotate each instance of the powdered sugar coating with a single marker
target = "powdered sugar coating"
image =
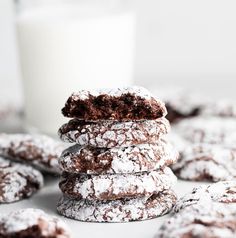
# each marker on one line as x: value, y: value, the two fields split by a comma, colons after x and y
x: 108, y: 134
x: 206, y: 162
x: 116, y: 186
x: 224, y: 192
x: 222, y: 108
x: 113, y: 92
x: 26, y: 219
x: 208, y: 220
x: 17, y: 181
x: 123, y: 210
x: 181, y: 103
x: 184, y: 102
x: 133, y: 159
x: 122, y: 104
x: 214, y: 130
x: 177, y: 141
x: 38, y: 150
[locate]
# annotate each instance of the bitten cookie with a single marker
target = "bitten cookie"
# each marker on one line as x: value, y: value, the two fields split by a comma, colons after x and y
x: 224, y: 192
x: 32, y: 223
x: 18, y: 181
x: 116, y: 186
x: 201, y: 162
x: 37, y: 150
x: 132, y: 103
x: 108, y: 134
x: 213, y: 130
x: 123, y: 210
x: 207, y: 220
x: 133, y: 159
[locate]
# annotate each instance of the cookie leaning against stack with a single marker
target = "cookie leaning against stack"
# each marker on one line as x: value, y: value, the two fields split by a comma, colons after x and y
x: 117, y: 171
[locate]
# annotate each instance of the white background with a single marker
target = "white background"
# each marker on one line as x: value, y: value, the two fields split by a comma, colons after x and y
x: 178, y: 42
x: 9, y: 70
x: 186, y: 39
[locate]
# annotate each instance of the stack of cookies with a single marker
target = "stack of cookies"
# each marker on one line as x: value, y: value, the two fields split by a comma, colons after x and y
x: 117, y: 170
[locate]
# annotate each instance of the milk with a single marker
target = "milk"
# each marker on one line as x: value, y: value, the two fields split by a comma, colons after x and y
x: 66, y: 48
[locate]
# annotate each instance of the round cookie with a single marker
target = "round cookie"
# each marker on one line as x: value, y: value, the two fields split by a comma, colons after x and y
x: 32, y: 223
x: 221, y: 108
x: 39, y: 151
x: 200, y: 162
x: 123, y: 210
x: 133, y: 159
x: 208, y: 220
x: 224, y: 192
x: 108, y: 134
x: 183, y: 106
x: 130, y: 103
x: 116, y: 186
x: 181, y: 103
x: 213, y: 130
x: 18, y: 181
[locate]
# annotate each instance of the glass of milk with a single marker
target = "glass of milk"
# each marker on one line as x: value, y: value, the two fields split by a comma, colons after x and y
x: 69, y: 45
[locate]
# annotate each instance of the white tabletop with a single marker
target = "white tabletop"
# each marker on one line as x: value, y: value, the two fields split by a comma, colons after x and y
x: 46, y: 199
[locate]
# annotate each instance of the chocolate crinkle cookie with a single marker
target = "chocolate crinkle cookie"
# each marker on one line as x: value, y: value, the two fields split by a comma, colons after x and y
x: 32, y: 223
x: 203, y: 220
x: 223, y: 192
x: 122, y: 210
x: 39, y: 151
x: 108, y: 134
x: 18, y: 181
x: 212, y: 130
x: 180, y: 103
x: 210, y: 162
x: 116, y: 186
x: 182, y: 108
x: 131, y: 103
x: 133, y: 159
x: 221, y: 108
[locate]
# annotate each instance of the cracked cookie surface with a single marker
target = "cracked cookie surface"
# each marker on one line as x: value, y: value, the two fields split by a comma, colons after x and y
x: 206, y: 220
x: 33, y: 223
x: 116, y: 186
x: 108, y: 134
x: 200, y: 162
x: 212, y: 130
x: 122, y: 210
x: 133, y: 159
x: 223, y: 192
x: 39, y: 151
x: 18, y: 181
